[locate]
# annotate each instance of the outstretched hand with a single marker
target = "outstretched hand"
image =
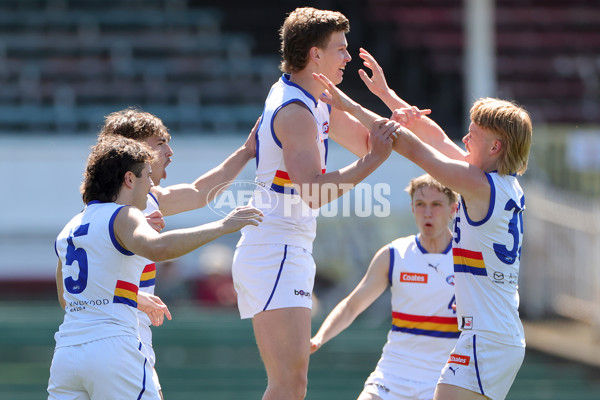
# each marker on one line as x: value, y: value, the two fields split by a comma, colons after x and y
x: 334, y: 96
x: 407, y: 116
x: 156, y: 221
x: 376, y: 83
x: 154, y: 307
x: 240, y: 217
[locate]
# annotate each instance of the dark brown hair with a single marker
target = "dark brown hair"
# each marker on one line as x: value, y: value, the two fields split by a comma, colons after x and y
x: 107, y: 164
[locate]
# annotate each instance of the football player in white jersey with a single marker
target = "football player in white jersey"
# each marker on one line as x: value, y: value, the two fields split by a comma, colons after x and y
x: 488, y: 228
x: 273, y: 268
x: 420, y: 273
x: 98, y: 353
x: 164, y: 201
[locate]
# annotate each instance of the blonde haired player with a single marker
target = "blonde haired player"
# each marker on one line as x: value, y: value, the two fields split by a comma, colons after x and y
x: 488, y: 229
x: 419, y: 271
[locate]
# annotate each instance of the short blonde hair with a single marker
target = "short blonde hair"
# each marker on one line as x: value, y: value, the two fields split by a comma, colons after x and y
x: 426, y: 180
x: 512, y: 124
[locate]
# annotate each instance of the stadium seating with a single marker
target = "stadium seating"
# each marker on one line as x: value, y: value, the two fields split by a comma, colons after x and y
x: 66, y: 64
x: 546, y: 50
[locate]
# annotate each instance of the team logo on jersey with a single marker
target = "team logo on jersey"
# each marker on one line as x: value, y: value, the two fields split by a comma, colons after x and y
x: 467, y: 323
x: 433, y: 266
x: 459, y: 359
x: 326, y: 127
x: 413, y: 277
x: 450, y: 280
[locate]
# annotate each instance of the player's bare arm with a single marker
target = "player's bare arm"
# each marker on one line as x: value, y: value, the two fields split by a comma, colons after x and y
x: 372, y: 285
x: 137, y: 236
x: 295, y: 128
x: 59, y: 285
x: 178, y: 198
x: 424, y: 127
x: 156, y: 221
x: 467, y: 179
x: 349, y: 133
x: 338, y: 99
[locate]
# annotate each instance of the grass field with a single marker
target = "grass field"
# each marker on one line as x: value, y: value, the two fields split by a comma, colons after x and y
x: 210, y: 354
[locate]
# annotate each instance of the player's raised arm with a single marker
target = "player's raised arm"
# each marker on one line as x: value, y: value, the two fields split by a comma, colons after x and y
x: 138, y: 237
x: 414, y: 119
x: 457, y: 174
x: 182, y: 197
x: 295, y: 129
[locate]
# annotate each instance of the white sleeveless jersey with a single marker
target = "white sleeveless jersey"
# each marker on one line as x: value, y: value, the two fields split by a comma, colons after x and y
x: 424, y: 326
x: 287, y: 220
x: 100, y: 278
x: 486, y: 264
x: 148, y: 279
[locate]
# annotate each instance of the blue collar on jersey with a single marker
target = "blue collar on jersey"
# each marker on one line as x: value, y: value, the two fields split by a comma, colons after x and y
x: 424, y: 251
x: 285, y: 78
x: 513, y: 174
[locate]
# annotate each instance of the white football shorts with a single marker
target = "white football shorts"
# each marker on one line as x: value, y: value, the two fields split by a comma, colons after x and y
x: 393, y: 387
x: 148, y: 351
x: 110, y: 368
x: 272, y: 276
x: 482, y: 365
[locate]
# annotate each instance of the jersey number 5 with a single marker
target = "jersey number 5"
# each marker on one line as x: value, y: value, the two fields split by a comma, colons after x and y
x: 79, y: 255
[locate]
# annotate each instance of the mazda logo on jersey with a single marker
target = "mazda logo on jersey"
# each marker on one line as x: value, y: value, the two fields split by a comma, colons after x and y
x: 413, y: 277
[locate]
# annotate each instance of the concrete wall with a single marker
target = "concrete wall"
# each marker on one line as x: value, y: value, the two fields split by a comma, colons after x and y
x: 40, y: 192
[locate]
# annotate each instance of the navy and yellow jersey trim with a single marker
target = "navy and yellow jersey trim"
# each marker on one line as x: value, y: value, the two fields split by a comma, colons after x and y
x: 148, y: 277
x: 126, y: 293
x: 441, y: 327
x: 468, y: 261
x: 283, y: 184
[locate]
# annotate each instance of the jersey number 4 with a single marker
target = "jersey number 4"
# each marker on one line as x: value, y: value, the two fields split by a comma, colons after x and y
x: 79, y: 255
